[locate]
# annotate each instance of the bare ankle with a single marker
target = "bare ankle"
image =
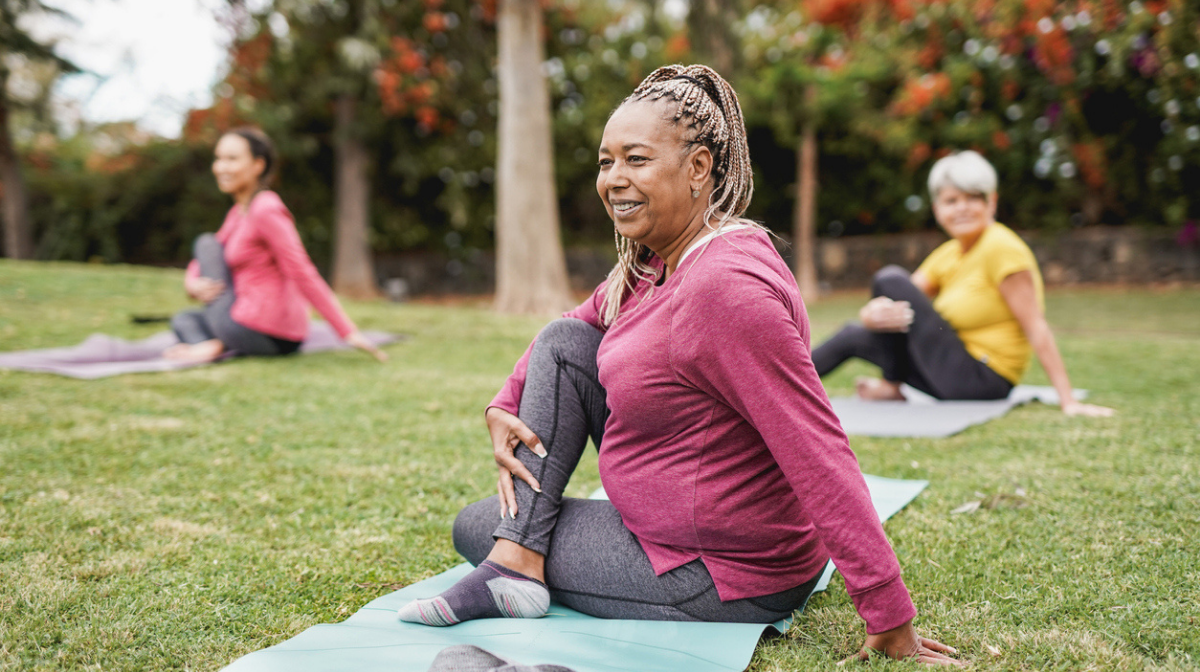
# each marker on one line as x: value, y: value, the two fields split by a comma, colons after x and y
x: 516, y: 557
x: 875, y: 389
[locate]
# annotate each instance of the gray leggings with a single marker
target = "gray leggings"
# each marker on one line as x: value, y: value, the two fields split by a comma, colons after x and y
x: 594, y: 564
x: 214, y: 320
x: 930, y: 356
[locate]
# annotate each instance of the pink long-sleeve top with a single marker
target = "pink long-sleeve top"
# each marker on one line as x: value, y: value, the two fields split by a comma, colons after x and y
x: 273, y: 278
x: 722, y: 444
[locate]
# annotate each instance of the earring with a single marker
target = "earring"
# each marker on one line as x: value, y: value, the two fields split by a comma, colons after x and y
x: 695, y: 193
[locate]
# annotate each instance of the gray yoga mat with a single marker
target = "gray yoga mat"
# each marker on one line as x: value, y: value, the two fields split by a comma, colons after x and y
x: 374, y: 639
x: 923, y: 416
x: 100, y: 355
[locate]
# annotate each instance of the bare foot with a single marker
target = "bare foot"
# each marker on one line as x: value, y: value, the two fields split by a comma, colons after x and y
x: 195, y: 353
x: 874, y: 389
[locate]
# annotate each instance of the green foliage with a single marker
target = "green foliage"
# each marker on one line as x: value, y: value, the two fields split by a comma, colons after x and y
x: 180, y: 520
x: 1089, y: 110
x: 143, y: 205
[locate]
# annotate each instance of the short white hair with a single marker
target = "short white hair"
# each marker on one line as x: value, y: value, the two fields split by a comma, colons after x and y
x: 966, y: 171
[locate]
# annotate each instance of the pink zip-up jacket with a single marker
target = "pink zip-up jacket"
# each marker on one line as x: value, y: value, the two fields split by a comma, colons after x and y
x: 273, y: 278
x: 722, y: 444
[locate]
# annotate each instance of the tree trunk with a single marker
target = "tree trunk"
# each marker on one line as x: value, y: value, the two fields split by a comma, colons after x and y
x: 804, y: 229
x: 531, y: 269
x: 710, y: 30
x: 18, y: 232
x: 353, y: 266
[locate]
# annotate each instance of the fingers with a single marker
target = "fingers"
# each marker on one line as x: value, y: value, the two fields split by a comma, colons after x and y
x: 527, y: 437
x: 508, y: 494
x: 862, y: 656
x: 509, y: 462
x: 935, y: 645
x: 373, y: 351
x: 1088, y: 410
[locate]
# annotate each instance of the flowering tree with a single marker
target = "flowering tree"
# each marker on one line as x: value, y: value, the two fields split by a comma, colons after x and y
x: 1087, y: 108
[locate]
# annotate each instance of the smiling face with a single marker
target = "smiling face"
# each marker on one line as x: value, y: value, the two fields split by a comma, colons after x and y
x: 963, y: 215
x: 646, y: 179
x: 235, y: 167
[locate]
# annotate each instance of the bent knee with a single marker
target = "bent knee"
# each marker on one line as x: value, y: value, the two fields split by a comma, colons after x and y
x: 889, y: 279
x: 203, y: 242
x: 567, y: 330
x: 184, y: 320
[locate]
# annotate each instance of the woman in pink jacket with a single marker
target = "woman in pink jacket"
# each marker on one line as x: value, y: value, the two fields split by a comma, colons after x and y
x: 254, y: 276
x: 730, y: 481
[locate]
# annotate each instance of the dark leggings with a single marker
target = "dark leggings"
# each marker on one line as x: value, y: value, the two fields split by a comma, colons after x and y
x: 214, y: 320
x: 929, y: 357
x: 594, y: 564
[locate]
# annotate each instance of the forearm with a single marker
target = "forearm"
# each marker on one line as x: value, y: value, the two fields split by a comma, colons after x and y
x: 1046, y: 349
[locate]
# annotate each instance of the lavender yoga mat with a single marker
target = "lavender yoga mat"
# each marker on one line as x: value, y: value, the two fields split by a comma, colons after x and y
x: 100, y: 355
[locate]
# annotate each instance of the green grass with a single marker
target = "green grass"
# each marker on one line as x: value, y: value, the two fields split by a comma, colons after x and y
x: 180, y: 520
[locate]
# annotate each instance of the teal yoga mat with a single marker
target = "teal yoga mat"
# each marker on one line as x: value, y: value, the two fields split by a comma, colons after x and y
x: 373, y: 639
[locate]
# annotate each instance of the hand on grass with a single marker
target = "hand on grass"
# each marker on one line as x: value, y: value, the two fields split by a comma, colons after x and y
x: 1075, y: 407
x: 508, y: 431
x: 884, y: 314
x: 903, y: 643
x: 359, y: 341
x: 202, y: 289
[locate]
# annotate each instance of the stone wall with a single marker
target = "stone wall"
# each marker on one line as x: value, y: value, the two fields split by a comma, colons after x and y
x: 1087, y: 255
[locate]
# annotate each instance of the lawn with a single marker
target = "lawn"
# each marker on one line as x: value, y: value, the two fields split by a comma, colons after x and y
x: 180, y: 520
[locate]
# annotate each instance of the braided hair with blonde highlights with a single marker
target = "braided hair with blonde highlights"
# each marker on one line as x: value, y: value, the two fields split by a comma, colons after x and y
x: 708, y: 112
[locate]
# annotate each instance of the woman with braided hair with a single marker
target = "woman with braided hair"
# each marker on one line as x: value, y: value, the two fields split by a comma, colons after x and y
x: 731, y: 483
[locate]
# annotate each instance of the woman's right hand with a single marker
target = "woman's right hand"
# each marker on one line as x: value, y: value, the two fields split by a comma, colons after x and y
x: 903, y: 643
x: 508, y: 431
x: 202, y: 289
x: 884, y: 314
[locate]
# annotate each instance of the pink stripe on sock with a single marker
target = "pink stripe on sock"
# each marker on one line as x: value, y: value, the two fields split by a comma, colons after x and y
x: 449, y: 616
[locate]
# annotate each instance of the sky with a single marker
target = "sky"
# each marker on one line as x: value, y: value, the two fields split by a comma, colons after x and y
x: 146, y: 60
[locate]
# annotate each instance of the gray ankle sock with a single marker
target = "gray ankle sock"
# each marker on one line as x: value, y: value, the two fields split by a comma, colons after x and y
x: 490, y: 591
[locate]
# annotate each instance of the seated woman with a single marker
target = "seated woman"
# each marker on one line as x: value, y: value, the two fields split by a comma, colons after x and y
x: 963, y: 324
x: 254, y: 274
x: 731, y: 481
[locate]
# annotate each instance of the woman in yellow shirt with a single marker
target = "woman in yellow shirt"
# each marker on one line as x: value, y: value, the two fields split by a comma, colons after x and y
x: 963, y: 325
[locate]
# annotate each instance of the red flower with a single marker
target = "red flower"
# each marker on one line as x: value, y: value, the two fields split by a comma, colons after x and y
x: 435, y: 22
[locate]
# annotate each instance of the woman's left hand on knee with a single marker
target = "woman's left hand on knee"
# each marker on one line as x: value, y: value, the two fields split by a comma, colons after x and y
x: 202, y: 289
x: 508, y: 432
x: 884, y: 314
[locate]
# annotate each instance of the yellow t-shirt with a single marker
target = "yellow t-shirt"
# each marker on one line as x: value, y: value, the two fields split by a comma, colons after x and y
x: 969, y: 296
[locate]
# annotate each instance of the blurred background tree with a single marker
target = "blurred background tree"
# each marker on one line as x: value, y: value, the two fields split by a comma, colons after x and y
x: 531, y: 270
x: 36, y: 66
x: 1090, y: 110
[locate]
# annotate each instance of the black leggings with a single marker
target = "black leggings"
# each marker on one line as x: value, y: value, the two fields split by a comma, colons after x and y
x: 214, y: 320
x: 594, y: 564
x: 929, y: 357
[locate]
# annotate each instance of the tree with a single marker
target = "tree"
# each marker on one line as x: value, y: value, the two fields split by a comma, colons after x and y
x: 710, y: 26
x: 531, y: 269
x: 353, y: 266
x: 14, y: 41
